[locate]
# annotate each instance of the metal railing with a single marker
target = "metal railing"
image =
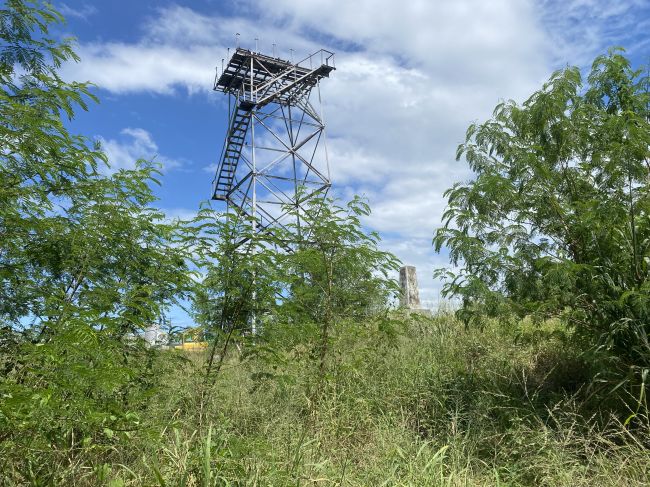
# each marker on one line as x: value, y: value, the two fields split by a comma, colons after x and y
x: 325, y: 57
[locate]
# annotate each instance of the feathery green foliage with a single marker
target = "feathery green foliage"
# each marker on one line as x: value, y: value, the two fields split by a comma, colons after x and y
x: 557, y: 219
x: 85, y: 263
x: 312, y: 274
x: 335, y: 272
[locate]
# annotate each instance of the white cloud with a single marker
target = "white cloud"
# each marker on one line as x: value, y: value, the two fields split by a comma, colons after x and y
x: 124, y: 68
x: 211, y: 168
x: 179, y: 48
x: 410, y: 78
x: 457, y: 38
x: 172, y: 214
x: 135, y: 143
x: 83, y: 12
x: 578, y: 30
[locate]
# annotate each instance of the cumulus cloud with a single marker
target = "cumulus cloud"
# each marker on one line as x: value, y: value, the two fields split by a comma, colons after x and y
x: 179, y: 50
x: 122, y: 68
x: 578, y: 30
x: 134, y: 144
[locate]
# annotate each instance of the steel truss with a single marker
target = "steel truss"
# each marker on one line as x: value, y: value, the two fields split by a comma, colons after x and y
x: 274, y: 157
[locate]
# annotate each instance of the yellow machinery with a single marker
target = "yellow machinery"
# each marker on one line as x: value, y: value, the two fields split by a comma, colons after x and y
x: 192, y: 340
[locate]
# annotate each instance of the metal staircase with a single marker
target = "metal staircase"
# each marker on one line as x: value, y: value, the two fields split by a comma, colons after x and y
x: 232, y: 149
x: 289, y: 85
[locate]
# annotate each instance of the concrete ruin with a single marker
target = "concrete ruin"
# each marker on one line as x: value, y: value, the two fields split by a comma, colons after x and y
x: 408, y: 280
x: 154, y: 336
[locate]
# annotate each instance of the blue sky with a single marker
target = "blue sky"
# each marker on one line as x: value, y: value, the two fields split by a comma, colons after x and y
x: 411, y: 76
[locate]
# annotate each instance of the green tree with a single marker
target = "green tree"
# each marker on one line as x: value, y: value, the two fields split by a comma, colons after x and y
x: 308, y: 276
x: 241, y: 283
x: 556, y: 221
x: 85, y: 262
x: 336, y: 272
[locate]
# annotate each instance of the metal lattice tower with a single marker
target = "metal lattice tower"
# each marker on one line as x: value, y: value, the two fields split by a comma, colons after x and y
x: 275, y: 156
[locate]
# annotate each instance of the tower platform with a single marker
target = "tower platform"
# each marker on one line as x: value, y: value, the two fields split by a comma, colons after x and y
x: 275, y: 146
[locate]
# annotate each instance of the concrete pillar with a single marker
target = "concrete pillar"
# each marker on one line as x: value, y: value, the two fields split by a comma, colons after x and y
x: 410, y: 296
x: 152, y: 334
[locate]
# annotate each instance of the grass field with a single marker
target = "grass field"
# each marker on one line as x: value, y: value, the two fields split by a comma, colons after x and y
x: 406, y: 401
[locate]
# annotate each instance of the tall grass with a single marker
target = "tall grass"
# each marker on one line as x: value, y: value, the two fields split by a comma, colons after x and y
x: 410, y: 401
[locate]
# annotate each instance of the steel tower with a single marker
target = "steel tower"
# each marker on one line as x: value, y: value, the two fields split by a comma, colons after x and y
x: 274, y: 157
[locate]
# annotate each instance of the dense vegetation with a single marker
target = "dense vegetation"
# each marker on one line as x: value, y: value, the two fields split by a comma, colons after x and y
x: 557, y: 221
x: 541, y: 379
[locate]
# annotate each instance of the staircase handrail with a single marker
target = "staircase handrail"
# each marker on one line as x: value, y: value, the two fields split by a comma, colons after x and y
x: 226, y: 142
